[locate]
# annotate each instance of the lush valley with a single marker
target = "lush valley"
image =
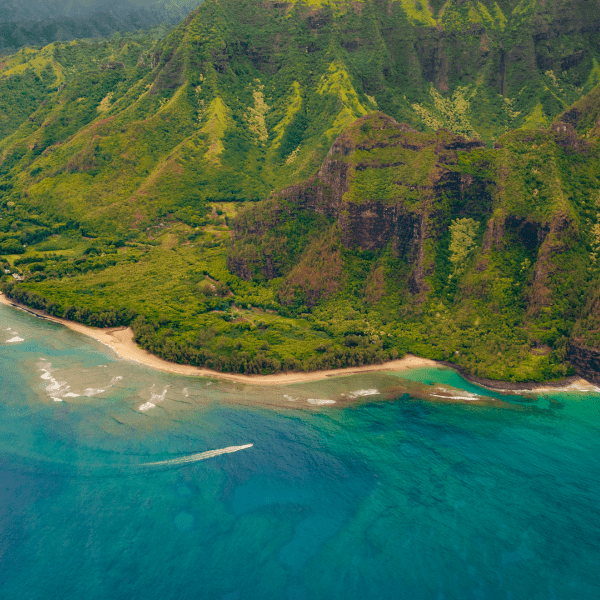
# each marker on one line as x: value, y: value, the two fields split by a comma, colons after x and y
x: 313, y: 184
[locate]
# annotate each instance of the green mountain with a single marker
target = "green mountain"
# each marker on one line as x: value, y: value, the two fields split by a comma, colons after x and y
x: 474, y: 255
x: 426, y: 178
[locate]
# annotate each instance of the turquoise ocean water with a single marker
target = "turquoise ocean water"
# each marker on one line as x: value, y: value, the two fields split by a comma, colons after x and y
x: 409, y: 485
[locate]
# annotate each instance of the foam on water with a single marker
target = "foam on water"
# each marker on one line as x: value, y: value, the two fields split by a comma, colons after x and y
x: 197, y: 457
x: 405, y: 498
x: 319, y: 401
x: 577, y: 387
x: 89, y: 392
x: 61, y: 389
x: 154, y: 398
x: 290, y: 398
x: 361, y: 393
x: 15, y: 340
x: 582, y: 387
x: 55, y: 389
x: 453, y: 394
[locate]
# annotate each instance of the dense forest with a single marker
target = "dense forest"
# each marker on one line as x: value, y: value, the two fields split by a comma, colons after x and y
x: 303, y: 185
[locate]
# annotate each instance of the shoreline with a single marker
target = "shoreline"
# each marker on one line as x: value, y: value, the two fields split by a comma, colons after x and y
x: 121, y: 341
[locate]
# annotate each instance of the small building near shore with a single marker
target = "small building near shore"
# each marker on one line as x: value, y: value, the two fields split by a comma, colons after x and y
x: 18, y: 277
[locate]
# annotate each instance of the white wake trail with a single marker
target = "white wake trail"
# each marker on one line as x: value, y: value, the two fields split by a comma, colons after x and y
x: 196, y: 457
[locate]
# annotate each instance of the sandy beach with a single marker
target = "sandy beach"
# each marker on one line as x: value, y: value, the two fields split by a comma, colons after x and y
x: 120, y: 339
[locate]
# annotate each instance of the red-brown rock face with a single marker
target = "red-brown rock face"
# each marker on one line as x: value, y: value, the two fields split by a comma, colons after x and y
x: 382, y: 183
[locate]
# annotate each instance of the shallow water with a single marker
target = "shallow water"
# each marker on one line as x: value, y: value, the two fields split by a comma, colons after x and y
x: 409, y: 485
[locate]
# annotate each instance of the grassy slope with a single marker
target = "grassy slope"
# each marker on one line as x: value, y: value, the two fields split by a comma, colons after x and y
x: 503, y: 303
x: 245, y: 99
x: 506, y: 314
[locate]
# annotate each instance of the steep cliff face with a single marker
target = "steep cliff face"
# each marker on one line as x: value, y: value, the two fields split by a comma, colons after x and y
x: 584, y: 350
x: 470, y: 233
x: 450, y: 227
x: 586, y: 361
x: 383, y: 184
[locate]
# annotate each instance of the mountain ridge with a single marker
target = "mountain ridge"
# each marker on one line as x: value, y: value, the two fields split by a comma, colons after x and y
x: 41, y: 23
x: 477, y: 206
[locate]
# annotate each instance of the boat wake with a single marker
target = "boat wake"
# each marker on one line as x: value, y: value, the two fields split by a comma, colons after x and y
x: 192, y: 458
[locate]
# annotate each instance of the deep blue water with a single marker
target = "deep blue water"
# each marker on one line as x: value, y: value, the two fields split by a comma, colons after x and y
x: 394, y: 496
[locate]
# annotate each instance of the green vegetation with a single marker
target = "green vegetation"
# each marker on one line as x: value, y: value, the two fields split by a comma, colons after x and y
x: 463, y: 236
x: 244, y: 99
x: 491, y: 280
x: 173, y: 286
x: 177, y: 184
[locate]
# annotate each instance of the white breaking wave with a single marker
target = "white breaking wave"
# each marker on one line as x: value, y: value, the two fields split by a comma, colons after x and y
x: 55, y: 388
x: 152, y: 403
x: 572, y: 387
x: 191, y: 458
x: 14, y: 340
x: 91, y: 392
x: 159, y: 397
x: 289, y: 398
x: 361, y: 393
x: 456, y: 395
x: 320, y: 402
